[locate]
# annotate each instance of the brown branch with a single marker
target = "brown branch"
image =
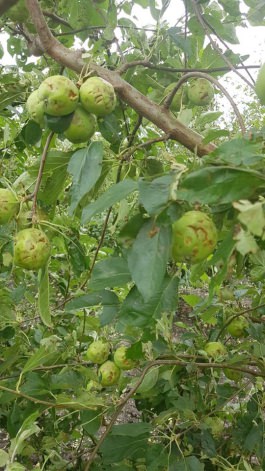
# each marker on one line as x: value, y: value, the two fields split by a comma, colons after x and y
x: 153, y: 364
x: 162, y: 118
x: 5, y: 5
x: 201, y: 20
x: 185, y: 77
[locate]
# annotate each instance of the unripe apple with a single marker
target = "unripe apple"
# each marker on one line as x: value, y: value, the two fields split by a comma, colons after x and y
x: 97, y: 96
x: 82, y: 127
x: 194, y: 237
x: 31, y: 249
x: 9, y: 205
x: 35, y: 107
x: 59, y: 95
x: 238, y: 327
x: 200, y: 92
x: 234, y: 375
x: 18, y: 12
x: 180, y: 97
x: 215, y: 349
x: 108, y: 373
x: 121, y: 361
x: 98, y: 351
x: 260, y: 85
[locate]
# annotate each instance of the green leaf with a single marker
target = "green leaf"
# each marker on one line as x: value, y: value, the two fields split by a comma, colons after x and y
x: 111, y: 130
x: 31, y: 133
x: 85, y: 167
x: 191, y: 463
x: 4, y: 458
x: 252, y: 216
x: 132, y: 430
x: 148, y: 382
x: 110, y: 273
x: 155, y: 195
x: 148, y: 257
x: 44, y: 298
x: 41, y: 357
x: 217, y: 185
x: 246, y: 243
x: 113, y: 195
x: 106, y: 298
x: 90, y: 421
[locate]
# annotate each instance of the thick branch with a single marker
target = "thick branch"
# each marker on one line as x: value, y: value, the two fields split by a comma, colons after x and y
x: 163, y: 119
x: 5, y: 5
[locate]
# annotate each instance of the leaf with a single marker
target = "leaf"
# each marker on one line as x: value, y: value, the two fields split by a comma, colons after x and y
x: 132, y: 430
x: 58, y: 124
x: 252, y: 216
x: 111, y: 130
x: 155, y: 195
x: 218, y: 185
x: 90, y: 421
x: 41, y: 357
x: 4, y: 458
x: 31, y: 133
x: 118, y: 447
x: 106, y: 298
x: 28, y: 428
x: 148, y: 382
x: 109, y: 273
x: 111, y: 196
x: 147, y: 259
x: 245, y: 243
x: 85, y: 167
x: 191, y: 463
x: 44, y: 298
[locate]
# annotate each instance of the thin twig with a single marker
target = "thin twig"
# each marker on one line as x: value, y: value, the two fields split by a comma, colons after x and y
x: 186, y: 77
x: 57, y: 18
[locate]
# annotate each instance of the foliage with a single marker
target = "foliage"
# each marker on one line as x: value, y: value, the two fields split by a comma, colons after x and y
x: 107, y: 207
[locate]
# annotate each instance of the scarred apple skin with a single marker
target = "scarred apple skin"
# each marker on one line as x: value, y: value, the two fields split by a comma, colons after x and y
x: 121, y: 361
x: 215, y: 349
x: 238, y: 327
x: 98, y: 351
x: 31, y: 249
x: 9, y: 205
x: 82, y: 127
x: 35, y: 107
x: 97, y: 96
x: 59, y: 95
x: 200, y: 92
x: 194, y: 237
x: 108, y: 373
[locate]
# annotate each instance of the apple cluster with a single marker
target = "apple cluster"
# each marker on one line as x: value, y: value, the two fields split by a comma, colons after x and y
x: 58, y: 96
x: 109, y: 371
x: 31, y: 245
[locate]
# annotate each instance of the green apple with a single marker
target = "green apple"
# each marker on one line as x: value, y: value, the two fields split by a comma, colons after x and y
x: 9, y: 205
x: 215, y: 349
x: 260, y: 85
x: 98, y: 351
x: 35, y: 107
x: 121, y: 360
x: 59, y: 95
x: 194, y: 237
x: 200, y: 92
x: 82, y: 127
x: 238, y: 327
x: 97, y: 96
x: 108, y: 373
x: 234, y: 375
x: 31, y: 249
x: 180, y: 97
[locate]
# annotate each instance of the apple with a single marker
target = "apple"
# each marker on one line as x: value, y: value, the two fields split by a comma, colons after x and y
x: 82, y: 127
x: 234, y: 375
x: 31, y: 249
x: 121, y: 360
x: 9, y: 205
x: 59, y: 95
x: 215, y: 349
x: 24, y: 217
x: 216, y: 425
x: 98, y: 351
x: 194, y: 237
x: 200, y: 92
x: 260, y: 85
x: 97, y: 96
x: 35, y: 107
x: 180, y: 97
x: 238, y: 327
x: 108, y: 373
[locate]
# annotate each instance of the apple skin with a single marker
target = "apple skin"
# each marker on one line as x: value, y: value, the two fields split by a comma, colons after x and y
x: 59, y: 95
x: 260, y: 85
x: 97, y: 96
x: 194, y: 237
x: 238, y: 327
x: 9, y: 205
x: 121, y: 361
x: 108, y: 373
x: 31, y: 249
x: 200, y: 92
x: 234, y: 375
x: 82, y: 127
x: 98, y: 351
x: 35, y: 107
x: 215, y: 349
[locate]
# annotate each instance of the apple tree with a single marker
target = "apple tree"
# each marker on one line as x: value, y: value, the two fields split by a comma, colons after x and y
x: 132, y: 224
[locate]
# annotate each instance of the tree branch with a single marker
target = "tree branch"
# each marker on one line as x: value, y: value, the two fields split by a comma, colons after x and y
x: 162, y: 118
x: 5, y: 5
